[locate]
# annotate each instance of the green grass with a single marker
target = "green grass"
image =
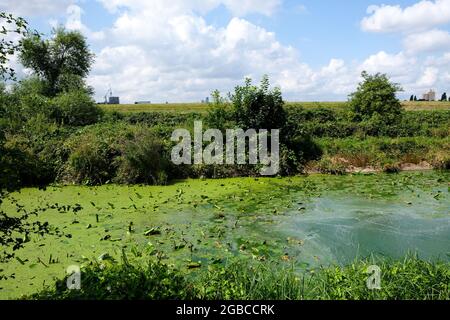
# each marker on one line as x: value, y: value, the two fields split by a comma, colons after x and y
x: 381, y: 153
x: 406, y: 279
x: 202, y: 107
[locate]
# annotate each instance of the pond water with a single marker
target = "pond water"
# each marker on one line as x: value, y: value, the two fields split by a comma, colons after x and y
x: 305, y: 221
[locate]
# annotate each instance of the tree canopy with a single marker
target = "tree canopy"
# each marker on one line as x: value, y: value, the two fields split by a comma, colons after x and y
x: 376, y: 95
x: 62, y: 61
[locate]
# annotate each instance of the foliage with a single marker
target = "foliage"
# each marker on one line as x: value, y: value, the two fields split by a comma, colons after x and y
x: 62, y: 62
x: 143, y: 159
x: 220, y: 115
x: 115, y: 153
x: 77, y: 108
x: 10, y: 25
x: 407, y: 279
x: 105, y: 281
x: 258, y: 107
x: 376, y: 96
x: 380, y: 152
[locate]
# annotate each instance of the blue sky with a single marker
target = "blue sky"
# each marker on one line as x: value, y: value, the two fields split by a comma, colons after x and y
x: 314, y: 49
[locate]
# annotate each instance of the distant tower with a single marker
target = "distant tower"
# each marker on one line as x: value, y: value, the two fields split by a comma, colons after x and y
x: 429, y: 96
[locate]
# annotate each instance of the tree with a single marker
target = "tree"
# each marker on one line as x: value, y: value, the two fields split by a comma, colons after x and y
x: 412, y: 98
x: 415, y: 98
x: 258, y: 107
x: 62, y: 62
x: 444, y: 96
x: 376, y: 95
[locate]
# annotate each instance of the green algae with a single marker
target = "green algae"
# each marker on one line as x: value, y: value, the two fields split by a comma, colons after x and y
x: 305, y: 221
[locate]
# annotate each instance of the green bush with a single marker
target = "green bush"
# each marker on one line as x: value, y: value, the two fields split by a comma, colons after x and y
x: 258, y: 107
x: 376, y: 96
x: 143, y: 159
x: 115, y: 153
x: 77, y: 108
x: 33, y: 155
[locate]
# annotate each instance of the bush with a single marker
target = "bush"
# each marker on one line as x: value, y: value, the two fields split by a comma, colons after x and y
x: 32, y: 157
x: 258, y: 107
x: 77, y: 108
x: 376, y: 95
x: 143, y: 159
x: 115, y: 153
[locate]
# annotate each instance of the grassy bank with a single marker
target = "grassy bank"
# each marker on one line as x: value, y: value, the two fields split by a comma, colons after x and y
x: 406, y: 279
x: 381, y: 154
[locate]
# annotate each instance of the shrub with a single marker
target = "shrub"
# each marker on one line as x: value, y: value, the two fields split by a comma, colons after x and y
x: 376, y: 95
x: 143, y: 159
x: 77, y: 108
x: 258, y: 107
x: 115, y: 153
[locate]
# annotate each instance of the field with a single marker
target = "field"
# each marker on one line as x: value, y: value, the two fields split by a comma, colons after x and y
x: 202, y: 107
x: 302, y: 223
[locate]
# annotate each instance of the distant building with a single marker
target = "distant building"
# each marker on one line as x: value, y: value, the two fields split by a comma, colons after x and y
x: 429, y: 96
x: 114, y: 100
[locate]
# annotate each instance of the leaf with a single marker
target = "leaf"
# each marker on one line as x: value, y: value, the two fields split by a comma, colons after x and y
x: 152, y: 232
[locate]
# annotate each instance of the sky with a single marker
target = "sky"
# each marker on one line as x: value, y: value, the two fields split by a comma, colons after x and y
x: 315, y: 50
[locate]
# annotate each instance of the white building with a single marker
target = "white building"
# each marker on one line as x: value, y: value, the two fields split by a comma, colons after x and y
x: 429, y: 96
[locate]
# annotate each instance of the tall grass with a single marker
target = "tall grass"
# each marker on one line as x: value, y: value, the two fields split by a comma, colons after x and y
x: 408, y: 279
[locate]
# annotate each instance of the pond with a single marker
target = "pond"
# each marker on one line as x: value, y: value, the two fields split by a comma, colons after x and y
x: 303, y: 221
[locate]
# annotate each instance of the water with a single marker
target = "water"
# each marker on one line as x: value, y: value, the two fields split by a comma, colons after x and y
x: 305, y: 221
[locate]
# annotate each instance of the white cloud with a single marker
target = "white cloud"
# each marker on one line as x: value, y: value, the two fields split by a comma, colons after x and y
x: 35, y: 7
x: 238, y: 8
x: 393, y: 64
x: 183, y: 58
x: 168, y: 52
x: 73, y: 22
x: 420, y: 16
x: 428, y: 41
x: 428, y: 78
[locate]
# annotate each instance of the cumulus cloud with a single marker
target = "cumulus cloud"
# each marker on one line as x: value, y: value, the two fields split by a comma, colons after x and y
x: 393, y: 64
x: 238, y: 8
x: 160, y: 52
x: 35, y: 7
x: 74, y: 22
x: 428, y: 78
x: 420, y: 16
x: 183, y: 58
x: 170, y: 53
x: 428, y: 41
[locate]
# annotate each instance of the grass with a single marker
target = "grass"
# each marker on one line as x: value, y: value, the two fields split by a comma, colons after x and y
x: 381, y: 153
x: 407, y: 279
x: 202, y: 107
